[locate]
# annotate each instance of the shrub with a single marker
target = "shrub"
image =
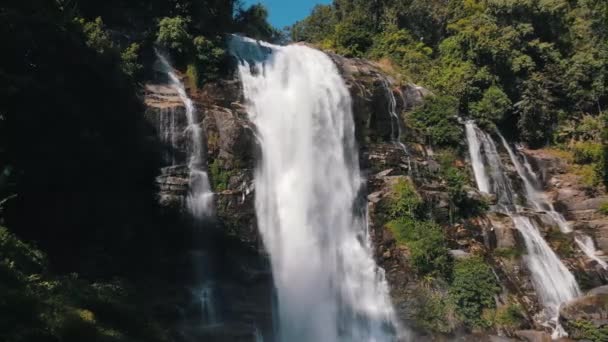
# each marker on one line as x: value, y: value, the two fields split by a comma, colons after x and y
x: 587, y: 152
x: 510, y: 316
x: 173, y: 34
x: 22, y: 255
x: 586, y: 330
x: 129, y: 60
x: 473, y: 289
x: 437, y: 119
x: 492, y: 108
x: 425, y: 240
x: 96, y: 36
x: 209, y: 57
x: 604, y: 208
x: 507, y: 253
x: 404, y: 201
x: 434, y: 311
x: 219, y: 176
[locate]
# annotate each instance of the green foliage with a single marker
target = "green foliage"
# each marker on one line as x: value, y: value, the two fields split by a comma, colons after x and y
x: 510, y: 316
x: 587, y: 152
x: 426, y: 243
x: 173, y: 34
x: 316, y: 27
x: 473, y: 289
x: 353, y: 37
x: 210, y: 55
x: 14, y: 252
x: 220, y: 177
x: 130, y: 60
x: 494, y: 57
x: 96, y: 36
x: 434, y: 311
x: 586, y: 330
x: 507, y: 253
x: 604, y: 208
x: 253, y: 22
x: 492, y: 108
x: 437, y: 119
x: 405, y: 201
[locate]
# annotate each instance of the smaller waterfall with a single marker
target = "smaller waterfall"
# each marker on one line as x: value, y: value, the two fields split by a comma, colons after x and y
x: 483, y: 183
x: 585, y: 243
x: 533, y: 194
x: 167, y: 129
x: 396, y: 123
x: 540, y: 203
x: 200, y: 198
x: 553, y: 282
x: 205, y: 295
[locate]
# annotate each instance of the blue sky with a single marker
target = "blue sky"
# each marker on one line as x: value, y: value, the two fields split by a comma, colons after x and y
x: 287, y: 12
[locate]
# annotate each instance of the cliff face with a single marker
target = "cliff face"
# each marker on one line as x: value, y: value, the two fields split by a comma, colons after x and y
x: 231, y: 153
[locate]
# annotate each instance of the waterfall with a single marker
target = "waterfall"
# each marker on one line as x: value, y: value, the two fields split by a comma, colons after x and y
x: 307, y: 187
x: 200, y: 197
x: 493, y: 179
x: 533, y: 193
x: 553, y: 282
x: 395, y: 121
x: 540, y: 203
x: 483, y: 183
x: 585, y: 243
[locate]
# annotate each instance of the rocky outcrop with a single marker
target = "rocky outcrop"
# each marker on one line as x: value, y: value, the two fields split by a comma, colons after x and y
x: 587, y: 316
x: 231, y: 151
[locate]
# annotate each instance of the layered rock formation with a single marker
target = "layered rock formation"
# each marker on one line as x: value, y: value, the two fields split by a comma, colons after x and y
x: 231, y: 155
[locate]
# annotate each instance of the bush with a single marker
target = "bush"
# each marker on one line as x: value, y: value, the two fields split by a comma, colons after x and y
x: 604, y: 208
x: 510, y: 316
x: 425, y: 240
x: 129, y: 58
x: 219, y: 176
x: 437, y: 119
x: 586, y: 330
x: 434, y: 311
x: 492, y: 108
x: 209, y: 57
x: 96, y: 36
x: 587, y: 152
x: 20, y: 254
x: 404, y: 200
x: 473, y: 289
x: 173, y: 34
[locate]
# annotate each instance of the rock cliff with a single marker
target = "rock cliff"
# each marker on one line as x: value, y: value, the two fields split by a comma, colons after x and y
x: 231, y: 153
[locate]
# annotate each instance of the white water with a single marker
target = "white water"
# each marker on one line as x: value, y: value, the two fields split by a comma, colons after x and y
x: 200, y: 197
x: 395, y: 121
x: 307, y: 183
x: 533, y: 193
x: 538, y: 199
x: 585, y: 243
x: 553, y: 282
x: 205, y: 295
x: 483, y: 183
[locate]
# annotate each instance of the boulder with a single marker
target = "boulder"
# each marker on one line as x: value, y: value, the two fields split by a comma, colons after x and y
x: 533, y: 336
x: 592, y: 308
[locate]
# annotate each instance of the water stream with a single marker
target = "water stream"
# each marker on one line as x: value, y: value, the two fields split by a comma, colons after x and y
x: 307, y: 193
x: 553, y: 282
x: 200, y: 197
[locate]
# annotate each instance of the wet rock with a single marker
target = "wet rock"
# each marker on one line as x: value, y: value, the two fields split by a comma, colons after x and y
x: 592, y: 308
x: 533, y: 336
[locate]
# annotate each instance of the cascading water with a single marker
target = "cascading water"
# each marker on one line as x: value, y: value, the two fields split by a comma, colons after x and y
x: 553, y: 282
x: 200, y: 197
x: 540, y: 202
x: 532, y: 187
x: 585, y: 243
x: 395, y: 121
x: 307, y: 184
